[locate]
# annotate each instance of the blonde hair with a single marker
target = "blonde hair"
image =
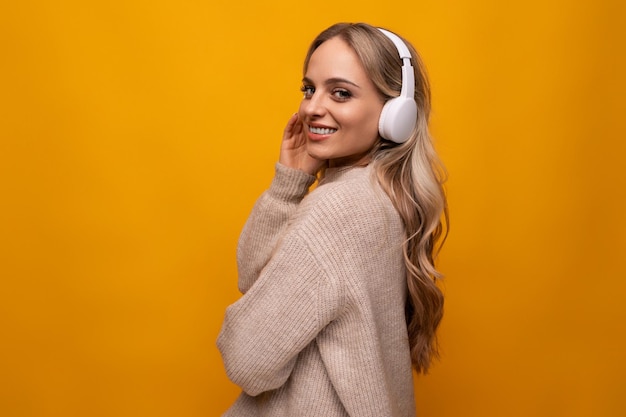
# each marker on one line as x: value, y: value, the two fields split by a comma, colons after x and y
x: 412, y: 176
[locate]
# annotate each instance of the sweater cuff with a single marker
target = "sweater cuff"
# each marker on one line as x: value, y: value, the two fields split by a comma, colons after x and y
x: 290, y: 184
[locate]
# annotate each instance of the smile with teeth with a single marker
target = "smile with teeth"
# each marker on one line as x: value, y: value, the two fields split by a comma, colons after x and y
x: 321, y: 130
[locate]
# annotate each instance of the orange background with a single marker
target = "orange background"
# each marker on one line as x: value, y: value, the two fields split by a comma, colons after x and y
x: 136, y: 135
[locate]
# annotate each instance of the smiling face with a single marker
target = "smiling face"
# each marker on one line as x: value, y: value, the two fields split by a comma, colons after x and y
x: 341, y: 106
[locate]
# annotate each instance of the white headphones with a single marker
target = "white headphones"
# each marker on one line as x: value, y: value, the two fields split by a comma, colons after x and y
x: 399, y: 114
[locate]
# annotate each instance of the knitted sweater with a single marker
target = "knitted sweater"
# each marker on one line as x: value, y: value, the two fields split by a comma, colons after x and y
x: 320, y: 329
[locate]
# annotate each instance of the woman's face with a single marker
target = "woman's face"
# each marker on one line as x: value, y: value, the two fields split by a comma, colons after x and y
x: 341, y: 107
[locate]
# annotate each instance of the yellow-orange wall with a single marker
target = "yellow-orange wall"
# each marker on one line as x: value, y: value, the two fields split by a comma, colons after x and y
x: 136, y: 135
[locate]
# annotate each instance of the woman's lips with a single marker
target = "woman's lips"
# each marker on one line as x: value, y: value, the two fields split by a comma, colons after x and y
x: 320, y: 132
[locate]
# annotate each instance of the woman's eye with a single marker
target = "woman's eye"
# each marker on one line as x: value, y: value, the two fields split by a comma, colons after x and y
x: 341, y: 94
x: 307, y: 90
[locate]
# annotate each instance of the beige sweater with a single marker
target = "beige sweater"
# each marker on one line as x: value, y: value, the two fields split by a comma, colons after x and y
x: 320, y: 329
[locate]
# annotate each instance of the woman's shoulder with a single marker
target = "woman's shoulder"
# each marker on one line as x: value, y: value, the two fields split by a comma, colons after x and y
x: 349, y: 197
x: 347, y: 188
x: 348, y: 213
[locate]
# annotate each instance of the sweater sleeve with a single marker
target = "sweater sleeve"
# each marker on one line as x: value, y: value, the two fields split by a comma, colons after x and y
x: 290, y: 303
x: 268, y: 221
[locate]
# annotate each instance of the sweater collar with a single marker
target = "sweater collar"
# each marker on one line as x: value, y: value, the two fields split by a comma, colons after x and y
x: 336, y: 174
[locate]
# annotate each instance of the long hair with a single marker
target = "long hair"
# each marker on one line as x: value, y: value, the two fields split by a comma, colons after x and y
x: 412, y: 176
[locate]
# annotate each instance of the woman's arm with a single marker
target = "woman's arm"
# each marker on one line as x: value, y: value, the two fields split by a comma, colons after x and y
x: 290, y: 303
x: 295, y: 173
x: 268, y: 221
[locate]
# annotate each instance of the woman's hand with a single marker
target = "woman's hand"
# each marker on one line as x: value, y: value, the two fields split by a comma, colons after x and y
x: 293, y: 153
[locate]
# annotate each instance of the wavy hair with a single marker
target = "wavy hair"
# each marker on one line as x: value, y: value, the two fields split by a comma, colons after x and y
x: 412, y: 176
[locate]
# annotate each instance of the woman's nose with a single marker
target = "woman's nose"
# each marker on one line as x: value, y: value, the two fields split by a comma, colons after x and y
x: 314, y: 106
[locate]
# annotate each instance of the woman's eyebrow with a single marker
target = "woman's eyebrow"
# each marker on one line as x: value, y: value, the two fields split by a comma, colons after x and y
x: 333, y: 80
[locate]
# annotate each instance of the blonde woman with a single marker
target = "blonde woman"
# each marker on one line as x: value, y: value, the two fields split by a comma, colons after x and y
x: 340, y: 297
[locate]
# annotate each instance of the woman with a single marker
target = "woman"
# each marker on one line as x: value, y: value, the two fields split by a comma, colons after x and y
x: 340, y: 298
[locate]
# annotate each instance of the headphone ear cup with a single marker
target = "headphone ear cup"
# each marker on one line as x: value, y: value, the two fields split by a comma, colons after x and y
x: 398, y: 119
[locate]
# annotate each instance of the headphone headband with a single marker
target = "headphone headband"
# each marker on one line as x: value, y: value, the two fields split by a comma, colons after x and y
x: 403, y: 51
